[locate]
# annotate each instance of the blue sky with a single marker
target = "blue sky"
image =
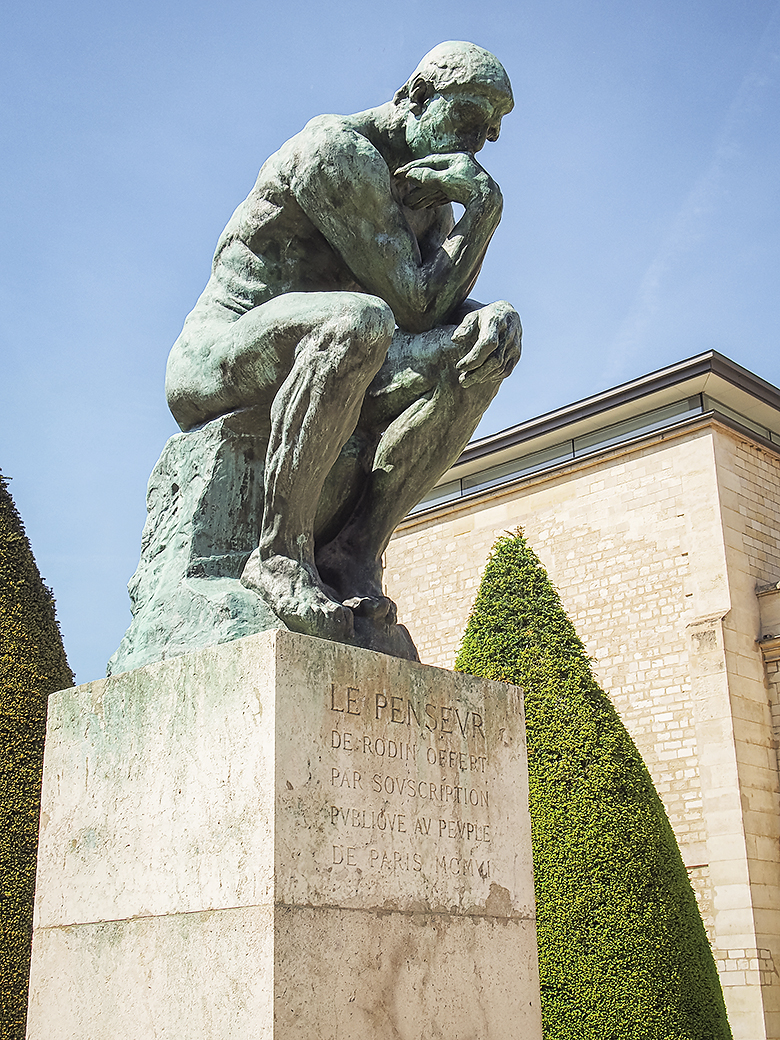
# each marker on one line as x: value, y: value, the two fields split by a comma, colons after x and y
x: 640, y: 172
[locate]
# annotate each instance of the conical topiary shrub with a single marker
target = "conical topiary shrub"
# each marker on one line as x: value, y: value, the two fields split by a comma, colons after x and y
x: 32, y: 665
x: 623, y: 954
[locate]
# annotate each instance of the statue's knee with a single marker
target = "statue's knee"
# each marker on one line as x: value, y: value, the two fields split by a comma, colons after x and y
x: 372, y: 320
x: 370, y: 326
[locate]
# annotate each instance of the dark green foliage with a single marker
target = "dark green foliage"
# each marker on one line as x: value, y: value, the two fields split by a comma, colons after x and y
x: 32, y: 665
x: 623, y: 952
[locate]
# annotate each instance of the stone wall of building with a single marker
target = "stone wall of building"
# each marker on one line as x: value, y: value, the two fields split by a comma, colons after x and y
x: 749, y: 489
x: 757, y: 473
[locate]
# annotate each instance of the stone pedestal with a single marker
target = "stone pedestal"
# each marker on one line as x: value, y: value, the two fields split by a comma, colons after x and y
x: 284, y: 837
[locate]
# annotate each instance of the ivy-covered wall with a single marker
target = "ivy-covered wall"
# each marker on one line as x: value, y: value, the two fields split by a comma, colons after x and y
x: 32, y: 665
x: 622, y: 949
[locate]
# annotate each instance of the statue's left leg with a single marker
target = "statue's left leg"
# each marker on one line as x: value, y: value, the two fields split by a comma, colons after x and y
x: 427, y: 416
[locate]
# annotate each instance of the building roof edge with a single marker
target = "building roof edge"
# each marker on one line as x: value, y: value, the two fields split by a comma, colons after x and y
x: 711, y: 362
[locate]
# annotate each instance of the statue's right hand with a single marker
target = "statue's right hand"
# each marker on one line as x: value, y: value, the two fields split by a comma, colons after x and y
x: 449, y: 177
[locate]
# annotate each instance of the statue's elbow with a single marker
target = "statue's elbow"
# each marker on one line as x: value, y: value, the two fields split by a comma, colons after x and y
x: 415, y: 324
x: 416, y: 314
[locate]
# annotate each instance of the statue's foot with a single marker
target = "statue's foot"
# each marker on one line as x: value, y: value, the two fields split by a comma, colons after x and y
x: 375, y: 608
x: 387, y: 639
x: 359, y: 584
x: 294, y: 593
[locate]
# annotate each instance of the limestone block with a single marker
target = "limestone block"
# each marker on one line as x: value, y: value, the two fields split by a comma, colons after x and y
x: 285, y: 837
x: 769, y: 604
x: 355, y: 975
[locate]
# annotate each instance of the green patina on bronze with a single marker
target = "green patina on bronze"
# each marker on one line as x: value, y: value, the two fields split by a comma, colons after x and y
x: 337, y: 331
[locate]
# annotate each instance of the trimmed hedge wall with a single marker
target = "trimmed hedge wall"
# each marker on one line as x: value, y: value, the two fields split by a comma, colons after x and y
x: 622, y: 949
x: 32, y: 665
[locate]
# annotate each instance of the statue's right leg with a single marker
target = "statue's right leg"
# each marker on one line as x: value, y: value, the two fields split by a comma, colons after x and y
x: 325, y: 349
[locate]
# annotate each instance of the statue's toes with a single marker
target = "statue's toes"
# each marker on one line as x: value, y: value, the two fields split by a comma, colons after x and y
x: 333, y: 622
x: 341, y: 623
x: 376, y: 608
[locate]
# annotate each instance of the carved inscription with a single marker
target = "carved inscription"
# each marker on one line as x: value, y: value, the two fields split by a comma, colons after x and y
x: 409, y: 780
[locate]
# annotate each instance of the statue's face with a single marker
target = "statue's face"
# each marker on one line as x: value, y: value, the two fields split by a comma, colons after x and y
x: 457, y: 120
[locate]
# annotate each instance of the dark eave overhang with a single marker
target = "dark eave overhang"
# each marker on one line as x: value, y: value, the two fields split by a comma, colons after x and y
x: 695, y: 375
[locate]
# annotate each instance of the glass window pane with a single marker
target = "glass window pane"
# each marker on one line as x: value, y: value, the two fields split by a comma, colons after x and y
x: 637, y: 425
x: 518, y: 467
x: 729, y: 413
x: 444, y: 493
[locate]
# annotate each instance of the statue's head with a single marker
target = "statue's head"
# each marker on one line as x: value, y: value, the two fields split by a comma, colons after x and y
x: 455, y: 99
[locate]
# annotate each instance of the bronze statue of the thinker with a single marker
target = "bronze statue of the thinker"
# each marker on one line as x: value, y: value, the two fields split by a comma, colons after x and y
x: 337, y: 322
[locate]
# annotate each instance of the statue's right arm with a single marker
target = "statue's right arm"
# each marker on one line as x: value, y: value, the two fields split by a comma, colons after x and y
x: 343, y: 185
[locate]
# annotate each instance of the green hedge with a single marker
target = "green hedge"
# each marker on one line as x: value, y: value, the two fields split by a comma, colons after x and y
x: 32, y: 665
x: 622, y: 949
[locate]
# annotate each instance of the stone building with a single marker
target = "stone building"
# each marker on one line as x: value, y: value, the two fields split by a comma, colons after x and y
x: 655, y: 507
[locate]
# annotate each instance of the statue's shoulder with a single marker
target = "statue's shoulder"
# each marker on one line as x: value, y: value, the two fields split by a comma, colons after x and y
x: 336, y: 176
x: 329, y: 143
